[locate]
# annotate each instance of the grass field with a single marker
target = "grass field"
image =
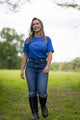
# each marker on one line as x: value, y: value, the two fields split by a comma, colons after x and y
x: 63, y: 96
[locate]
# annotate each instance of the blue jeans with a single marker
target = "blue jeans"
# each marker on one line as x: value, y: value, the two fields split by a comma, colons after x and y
x: 37, y: 81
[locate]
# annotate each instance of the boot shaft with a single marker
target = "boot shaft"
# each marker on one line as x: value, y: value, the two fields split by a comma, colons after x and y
x: 44, y: 109
x: 42, y: 100
x: 33, y: 104
x: 34, y: 107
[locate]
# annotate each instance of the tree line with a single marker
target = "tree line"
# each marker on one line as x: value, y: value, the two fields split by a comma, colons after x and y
x: 73, y: 65
x: 11, y: 46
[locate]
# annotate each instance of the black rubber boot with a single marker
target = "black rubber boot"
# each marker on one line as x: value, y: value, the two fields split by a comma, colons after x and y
x: 34, y: 107
x: 44, y: 109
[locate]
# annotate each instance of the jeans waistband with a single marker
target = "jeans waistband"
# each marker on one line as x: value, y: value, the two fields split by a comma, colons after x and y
x: 36, y: 59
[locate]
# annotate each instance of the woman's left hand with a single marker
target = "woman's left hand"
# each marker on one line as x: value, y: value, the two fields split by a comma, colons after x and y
x: 46, y: 70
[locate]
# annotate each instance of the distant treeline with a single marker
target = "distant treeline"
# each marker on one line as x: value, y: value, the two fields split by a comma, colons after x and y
x: 73, y: 65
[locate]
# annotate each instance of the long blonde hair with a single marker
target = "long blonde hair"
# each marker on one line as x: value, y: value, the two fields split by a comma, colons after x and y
x: 31, y: 32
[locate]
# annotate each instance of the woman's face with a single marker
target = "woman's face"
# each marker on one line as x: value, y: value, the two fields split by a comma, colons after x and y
x: 36, y: 26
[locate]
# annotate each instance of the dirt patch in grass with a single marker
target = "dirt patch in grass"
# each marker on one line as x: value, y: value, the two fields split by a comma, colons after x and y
x: 54, y: 93
x: 72, y: 93
x: 67, y: 93
x: 63, y: 87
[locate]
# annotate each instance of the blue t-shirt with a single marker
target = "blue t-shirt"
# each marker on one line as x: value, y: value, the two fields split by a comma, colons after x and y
x: 37, y: 47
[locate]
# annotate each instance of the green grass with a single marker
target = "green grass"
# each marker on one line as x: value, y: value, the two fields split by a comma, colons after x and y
x: 63, y: 96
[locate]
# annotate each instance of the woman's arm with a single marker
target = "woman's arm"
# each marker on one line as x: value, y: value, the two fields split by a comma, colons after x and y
x: 24, y: 60
x: 49, y: 58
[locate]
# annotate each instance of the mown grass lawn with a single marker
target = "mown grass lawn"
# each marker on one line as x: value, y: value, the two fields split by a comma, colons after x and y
x: 63, y: 96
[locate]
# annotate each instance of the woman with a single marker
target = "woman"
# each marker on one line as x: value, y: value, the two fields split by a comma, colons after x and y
x: 38, y: 54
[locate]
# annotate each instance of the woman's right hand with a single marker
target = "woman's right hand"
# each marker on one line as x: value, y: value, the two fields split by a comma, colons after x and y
x: 22, y: 75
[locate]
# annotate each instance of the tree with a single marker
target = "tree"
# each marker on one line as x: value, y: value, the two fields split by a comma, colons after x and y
x: 68, y: 3
x: 11, y: 45
x: 13, y: 5
x: 76, y: 63
x: 54, y: 66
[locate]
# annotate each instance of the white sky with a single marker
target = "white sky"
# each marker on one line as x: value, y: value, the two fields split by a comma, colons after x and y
x: 62, y: 25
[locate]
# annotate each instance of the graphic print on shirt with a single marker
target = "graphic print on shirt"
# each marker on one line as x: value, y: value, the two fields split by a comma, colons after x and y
x: 38, y: 48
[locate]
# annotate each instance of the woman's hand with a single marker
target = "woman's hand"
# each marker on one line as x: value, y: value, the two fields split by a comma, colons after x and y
x: 46, y: 70
x: 49, y: 58
x: 22, y: 75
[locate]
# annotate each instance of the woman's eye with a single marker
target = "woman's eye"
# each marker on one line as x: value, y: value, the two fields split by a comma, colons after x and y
x: 37, y: 23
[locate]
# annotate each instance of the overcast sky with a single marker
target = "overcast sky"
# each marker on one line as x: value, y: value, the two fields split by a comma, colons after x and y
x: 62, y: 25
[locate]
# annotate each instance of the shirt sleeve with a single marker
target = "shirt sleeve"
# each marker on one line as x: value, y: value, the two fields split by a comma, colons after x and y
x: 49, y: 45
x: 25, y: 48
